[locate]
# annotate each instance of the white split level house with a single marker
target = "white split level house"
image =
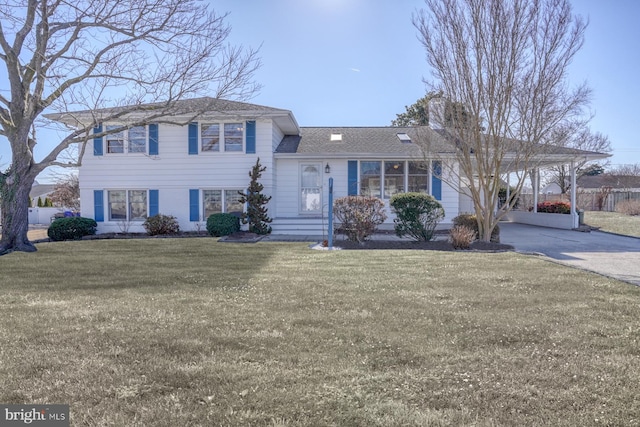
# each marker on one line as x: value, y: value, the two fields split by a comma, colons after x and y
x: 195, y: 169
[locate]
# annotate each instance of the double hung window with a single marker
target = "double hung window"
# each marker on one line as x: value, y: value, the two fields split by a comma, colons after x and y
x: 218, y: 201
x: 127, y: 205
x: 132, y: 140
x: 227, y: 137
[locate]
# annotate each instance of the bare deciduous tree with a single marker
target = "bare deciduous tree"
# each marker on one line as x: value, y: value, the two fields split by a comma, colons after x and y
x: 506, y: 62
x: 63, y: 56
x: 576, y: 135
x: 66, y: 192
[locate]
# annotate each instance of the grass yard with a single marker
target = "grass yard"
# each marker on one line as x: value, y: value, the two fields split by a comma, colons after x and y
x: 614, y: 222
x: 191, y: 332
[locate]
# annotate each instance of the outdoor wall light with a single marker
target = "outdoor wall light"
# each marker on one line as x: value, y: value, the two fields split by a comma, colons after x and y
x: 327, y: 169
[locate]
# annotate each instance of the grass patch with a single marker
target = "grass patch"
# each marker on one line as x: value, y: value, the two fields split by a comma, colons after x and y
x: 168, y: 332
x: 614, y: 222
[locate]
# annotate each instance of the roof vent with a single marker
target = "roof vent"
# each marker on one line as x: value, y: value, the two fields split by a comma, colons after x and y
x: 336, y: 137
x: 403, y: 137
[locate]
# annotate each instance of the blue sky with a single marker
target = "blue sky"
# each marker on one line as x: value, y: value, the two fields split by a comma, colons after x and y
x: 359, y: 62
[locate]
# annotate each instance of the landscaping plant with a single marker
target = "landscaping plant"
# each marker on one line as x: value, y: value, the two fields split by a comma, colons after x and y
x: 417, y: 215
x: 222, y: 224
x: 554, y: 207
x: 71, y: 228
x: 161, y: 224
x: 461, y: 236
x: 359, y: 216
x: 256, y: 214
x: 471, y: 221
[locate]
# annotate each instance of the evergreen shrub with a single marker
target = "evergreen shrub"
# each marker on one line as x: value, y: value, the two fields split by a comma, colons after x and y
x: 71, y: 228
x: 222, y: 224
x: 417, y: 215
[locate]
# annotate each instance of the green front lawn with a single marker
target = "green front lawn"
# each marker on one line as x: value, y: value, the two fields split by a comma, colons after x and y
x: 614, y: 222
x: 190, y: 332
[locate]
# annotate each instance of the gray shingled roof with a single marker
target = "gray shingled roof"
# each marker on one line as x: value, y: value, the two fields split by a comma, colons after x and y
x: 384, y: 140
x: 192, y: 105
x: 360, y: 140
x: 184, y: 109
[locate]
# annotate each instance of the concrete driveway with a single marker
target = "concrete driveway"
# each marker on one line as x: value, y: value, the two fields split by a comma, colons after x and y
x: 607, y: 254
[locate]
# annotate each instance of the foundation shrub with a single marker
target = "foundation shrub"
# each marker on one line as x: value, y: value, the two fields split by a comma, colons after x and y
x: 161, y: 224
x: 470, y: 220
x: 417, y: 215
x: 222, y: 224
x: 628, y: 207
x: 462, y: 236
x: 554, y: 207
x: 359, y: 216
x: 71, y: 228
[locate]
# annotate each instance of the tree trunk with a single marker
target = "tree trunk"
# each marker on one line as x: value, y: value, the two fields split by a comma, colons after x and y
x: 14, y: 204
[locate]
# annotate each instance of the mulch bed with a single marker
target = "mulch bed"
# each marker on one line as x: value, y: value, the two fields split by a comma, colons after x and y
x: 437, y: 245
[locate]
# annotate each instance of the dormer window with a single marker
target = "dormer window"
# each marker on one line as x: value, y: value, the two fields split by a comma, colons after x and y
x: 336, y: 137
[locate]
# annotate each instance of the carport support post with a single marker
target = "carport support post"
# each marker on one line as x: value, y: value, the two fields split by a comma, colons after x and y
x: 574, y: 207
x: 536, y: 189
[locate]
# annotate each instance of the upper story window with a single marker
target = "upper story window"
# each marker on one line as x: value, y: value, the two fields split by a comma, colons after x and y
x: 132, y: 140
x: 227, y: 137
x: 210, y: 137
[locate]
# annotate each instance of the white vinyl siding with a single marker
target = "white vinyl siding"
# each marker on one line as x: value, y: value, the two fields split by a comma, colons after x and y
x: 173, y: 172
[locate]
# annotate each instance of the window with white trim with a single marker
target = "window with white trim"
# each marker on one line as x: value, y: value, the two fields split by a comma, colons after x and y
x: 226, y: 137
x: 418, y: 177
x: 390, y: 177
x: 221, y: 201
x: 131, y: 140
x: 127, y: 205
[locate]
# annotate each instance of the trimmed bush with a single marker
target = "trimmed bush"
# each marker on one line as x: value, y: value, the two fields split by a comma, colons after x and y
x: 417, y: 215
x: 554, y: 207
x: 161, y: 224
x: 222, y: 224
x: 628, y: 207
x: 470, y: 220
x: 71, y: 228
x: 461, y: 236
x: 359, y: 216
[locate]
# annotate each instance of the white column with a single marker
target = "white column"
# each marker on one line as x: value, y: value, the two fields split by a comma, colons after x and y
x: 574, y: 210
x: 536, y: 189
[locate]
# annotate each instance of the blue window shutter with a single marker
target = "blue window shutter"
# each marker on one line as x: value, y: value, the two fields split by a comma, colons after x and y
x: 352, y: 177
x: 250, y: 129
x: 153, y: 139
x: 436, y: 182
x: 98, y: 205
x: 154, y: 202
x: 194, y: 205
x: 97, y: 142
x: 193, y: 138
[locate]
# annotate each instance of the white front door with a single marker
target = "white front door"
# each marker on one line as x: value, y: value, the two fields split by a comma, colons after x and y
x: 310, y: 188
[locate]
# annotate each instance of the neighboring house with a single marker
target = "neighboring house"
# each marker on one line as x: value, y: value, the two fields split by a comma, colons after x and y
x: 617, y: 183
x: 595, y: 183
x: 40, y: 190
x: 191, y: 171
